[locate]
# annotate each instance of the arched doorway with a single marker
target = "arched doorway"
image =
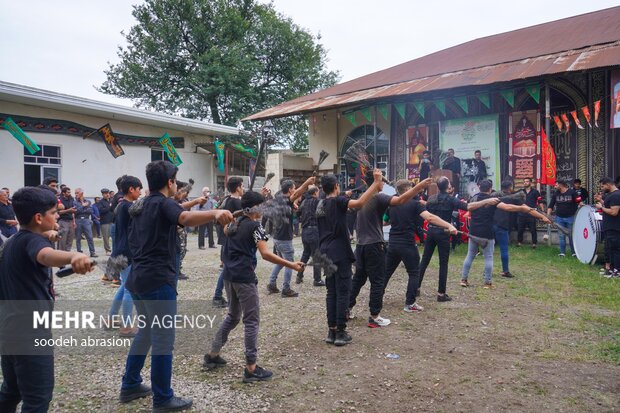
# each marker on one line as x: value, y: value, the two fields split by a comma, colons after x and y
x: 377, y: 146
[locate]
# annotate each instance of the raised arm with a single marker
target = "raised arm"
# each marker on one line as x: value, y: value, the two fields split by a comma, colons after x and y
x: 401, y: 199
x: 197, y: 218
x: 370, y: 192
x: 300, y: 191
x: 479, y: 204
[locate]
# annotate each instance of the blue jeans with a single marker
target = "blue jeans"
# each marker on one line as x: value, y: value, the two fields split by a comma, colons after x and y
x: 160, y: 340
x: 219, y: 287
x: 29, y: 379
x: 487, y: 252
x: 566, y: 223
x: 286, y: 251
x: 84, y: 226
x: 123, y: 297
x: 502, y: 236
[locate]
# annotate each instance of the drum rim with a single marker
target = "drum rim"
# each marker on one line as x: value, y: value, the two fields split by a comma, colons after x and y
x: 576, y: 233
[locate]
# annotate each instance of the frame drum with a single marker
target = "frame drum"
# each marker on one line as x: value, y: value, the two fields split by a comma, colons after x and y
x: 587, y: 234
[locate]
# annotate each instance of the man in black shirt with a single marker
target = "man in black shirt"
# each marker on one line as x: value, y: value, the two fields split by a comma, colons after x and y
x: 532, y: 198
x: 310, y: 233
x: 581, y: 191
x: 25, y: 274
x: 352, y: 213
x: 501, y: 226
x: 426, y: 164
x: 84, y: 223
x: 610, y: 208
x: 106, y: 217
x: 453, y: 164
x: 442, y: 205
x: 152, y: 283
x: 482, y: 226
x: 8, y: 223
x: 66, y: 222
x: 479, y: 166
x: 402, y: 246
x: 566, y: 201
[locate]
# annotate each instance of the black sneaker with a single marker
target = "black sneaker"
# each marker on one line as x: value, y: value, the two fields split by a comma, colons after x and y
x: 213, y: 362
x: 272, y: 289
x: 175, y: 404
x: 219, y: 302
x: 299, y: 279
x: 289, y: 293
x: 183, y: 276
x: 137, y: 392
x: 443, y: 298
x: 331, y: 336
x: 259, y: 374
x: 342, y: 338
x: 319, y: 283
x: 507, y: 274
x: 93, y: 255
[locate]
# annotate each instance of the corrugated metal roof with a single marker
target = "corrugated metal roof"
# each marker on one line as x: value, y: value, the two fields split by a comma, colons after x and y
x: 577, y: 43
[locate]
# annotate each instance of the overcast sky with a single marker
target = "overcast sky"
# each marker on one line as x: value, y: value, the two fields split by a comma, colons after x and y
x: 65, y: 45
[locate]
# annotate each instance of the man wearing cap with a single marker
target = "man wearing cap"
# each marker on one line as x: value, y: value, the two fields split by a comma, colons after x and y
x: 106, y: 218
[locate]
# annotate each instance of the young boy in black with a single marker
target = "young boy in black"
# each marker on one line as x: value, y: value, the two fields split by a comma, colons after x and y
x: 244, y: 237
x: 334, y: 242
x: 25, y: 274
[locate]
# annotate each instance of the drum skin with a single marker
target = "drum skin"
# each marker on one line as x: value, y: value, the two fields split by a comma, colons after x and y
x: 587, y: 234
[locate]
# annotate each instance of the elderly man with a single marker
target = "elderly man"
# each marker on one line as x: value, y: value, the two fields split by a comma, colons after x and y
x: 84, y: 223
x: 208, y: 227
x: 8, y: 222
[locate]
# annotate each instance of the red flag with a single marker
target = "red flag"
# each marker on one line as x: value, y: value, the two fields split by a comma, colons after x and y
x: 558, y: 122
x: 548, y: 161
x: 586, y: 113
x: 597, y: 111
x: 574, y: 115
x: 566, y: 122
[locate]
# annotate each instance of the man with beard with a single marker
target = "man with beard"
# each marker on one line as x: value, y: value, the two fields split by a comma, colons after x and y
x: 610, y: 208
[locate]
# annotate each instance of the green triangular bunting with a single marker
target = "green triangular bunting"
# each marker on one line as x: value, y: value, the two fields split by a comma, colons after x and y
x: 383, y: 110
x: 400, y: 108
x: 419, y: 106
x: 351, y: 118
x: 484, y: 99
x: 441, y: 105
x: 462, y: 102
x: 534, y: 91
x: 509, y: 95
x: 366, y: 113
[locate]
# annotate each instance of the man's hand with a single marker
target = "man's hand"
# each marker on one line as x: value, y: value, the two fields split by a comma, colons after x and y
x: 51, y: 235
x: 598, y: 205
x: 493, y: 201
x: 426, y: 182
x: 452, y: 229
x: 265, y: 191
x: 348, y: 194
x: 547, y: 220
x: 223, y: 216
x: 81, y: 264
x: 298, y: 266
x: 73, y: 225
x: 311, y: 180
x: 377, y: 175
x: 201, y: 200
x: 11, y: 222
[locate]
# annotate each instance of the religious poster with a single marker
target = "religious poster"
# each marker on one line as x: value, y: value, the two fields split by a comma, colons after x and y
x: 466, y: 136
x: 524, y: 144
x: 565, y: 147
x: 615, y: 99
x: 417, y: 143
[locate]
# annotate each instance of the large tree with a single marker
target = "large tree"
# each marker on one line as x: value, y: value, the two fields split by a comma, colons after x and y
x: 218, y: 60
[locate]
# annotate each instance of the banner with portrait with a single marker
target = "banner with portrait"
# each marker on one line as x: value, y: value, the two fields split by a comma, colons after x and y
x: 524, y: 146
x: 615, y: 99
x: 417, y: 143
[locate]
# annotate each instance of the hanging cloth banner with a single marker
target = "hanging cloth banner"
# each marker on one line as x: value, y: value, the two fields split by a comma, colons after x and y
x: 170, y: 150
x: 242, y: 148
x: 462, y: 102
x: 366, y: 114
x: 509, y: 96
x: 597, y: 111
x: 576, y: 119
x: 252, y: 170
x: 219, y: 152
x: 566, y: 122
x: 485, y: 99
x: 17, y: 132
x: 351, y: 118
x: 400, y: 108
x: 548, y: 175
x: 534, y: 91
x: 558, y: 122
x: 419, y: 107
x: 441, y: 105
x: 111, y: 142
x: 384, y: 110
x: 586, y: 114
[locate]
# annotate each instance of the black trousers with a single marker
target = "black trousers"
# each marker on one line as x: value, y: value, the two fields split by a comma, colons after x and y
x: 529, y: 222
x: 351, y: 218
x: 310, y: 240
x: 612, y: 245
x: 338, y: 294
x: 29, y: 379
x: 208, y: 228
x: 369, y: 265
x: 408, y: 254
x: 436, y: 237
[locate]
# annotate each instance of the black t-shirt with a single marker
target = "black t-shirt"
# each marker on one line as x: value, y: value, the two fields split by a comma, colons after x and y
x: 482, y: 219
x: 121, y: 238
x: 333, y: 233
x: 308, y: 212
x: 285, y: 231
x: 443, y: 204
x: 106, y: 212
x: 239, y: 251
x: 425, y: 168
x: 229, y: 204
x: 404, y: 220
x: 453, y: 164
x: 152, y: 242
x: 501, y: 217
x: 68, y: 204
x: 531, y: 199
x: 566, y: 204
x: 583, y: 194
x: 369, y: 223
x: 481, y: 168
x: 611, y: 223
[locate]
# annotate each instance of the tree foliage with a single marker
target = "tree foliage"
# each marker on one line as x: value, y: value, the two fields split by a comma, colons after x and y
x: 219, y: 61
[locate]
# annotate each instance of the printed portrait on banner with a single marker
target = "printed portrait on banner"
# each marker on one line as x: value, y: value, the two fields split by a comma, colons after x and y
x: 615, y: 99
x: 524, y: 159
x: 417, y: 143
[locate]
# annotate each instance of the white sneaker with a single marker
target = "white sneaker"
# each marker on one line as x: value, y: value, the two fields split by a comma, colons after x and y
x: 561, y: 255
x: 413, y: 308
x: 378, y: 322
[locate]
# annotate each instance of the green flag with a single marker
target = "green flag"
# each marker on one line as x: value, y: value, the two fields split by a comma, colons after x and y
x: 441, y: 105
x: 509, y: 95
x: 400, y: 108
x: 351, y: 117
x: 462, y: 102
x: 170, y: 150
x: 366, y: 113
x: 419, y: 106
x: 219, y: 151
x: 21, y: 136
x: 383, y: 110
x: 485, y: 99
x: 534, y: 91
